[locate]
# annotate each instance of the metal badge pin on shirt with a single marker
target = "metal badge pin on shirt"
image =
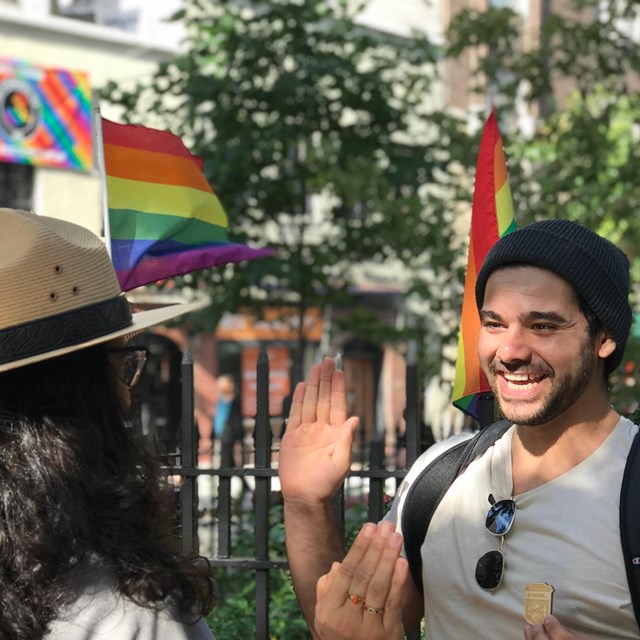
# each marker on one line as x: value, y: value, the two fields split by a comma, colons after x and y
x: 538, y: 602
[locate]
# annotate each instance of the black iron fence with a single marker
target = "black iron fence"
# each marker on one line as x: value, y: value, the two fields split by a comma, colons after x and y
x: 374, y: 476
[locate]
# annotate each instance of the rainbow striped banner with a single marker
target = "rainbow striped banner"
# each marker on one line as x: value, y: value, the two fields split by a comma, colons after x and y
x: 491, y: 218
x: 164, y: 218
x: 45, y: 116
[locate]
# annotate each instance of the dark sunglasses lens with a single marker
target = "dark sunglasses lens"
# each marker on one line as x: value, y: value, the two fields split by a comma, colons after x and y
x: 489, y: 570
x: 132, y: 367
x: 129, y: 367
x: 500, y: 517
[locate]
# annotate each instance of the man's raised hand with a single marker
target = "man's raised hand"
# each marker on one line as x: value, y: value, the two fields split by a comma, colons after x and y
x: 315, y: 453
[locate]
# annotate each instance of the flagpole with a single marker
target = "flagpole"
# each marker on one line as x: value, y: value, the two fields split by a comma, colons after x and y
x: 102, y: 173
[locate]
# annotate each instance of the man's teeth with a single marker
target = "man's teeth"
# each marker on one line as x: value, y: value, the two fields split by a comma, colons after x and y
x: 516, y: 377
x: 515, y: 381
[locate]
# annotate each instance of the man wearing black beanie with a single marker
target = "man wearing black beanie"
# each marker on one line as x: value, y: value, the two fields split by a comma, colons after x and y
x: 526, y: 541
x: 596, y: 269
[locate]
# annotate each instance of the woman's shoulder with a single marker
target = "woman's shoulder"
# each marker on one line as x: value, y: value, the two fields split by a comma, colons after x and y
x: 99, y: 612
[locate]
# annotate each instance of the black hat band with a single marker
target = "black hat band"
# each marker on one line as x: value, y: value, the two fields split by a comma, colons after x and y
x: 64, y: 329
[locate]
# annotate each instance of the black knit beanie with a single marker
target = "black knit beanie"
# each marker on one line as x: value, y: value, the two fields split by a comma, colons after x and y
x: 593, y: 266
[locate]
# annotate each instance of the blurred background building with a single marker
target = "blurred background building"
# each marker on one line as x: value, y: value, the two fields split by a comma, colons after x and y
x: 123, y: 41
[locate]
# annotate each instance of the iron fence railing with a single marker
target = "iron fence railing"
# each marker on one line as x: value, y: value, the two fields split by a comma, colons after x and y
x: 375, y: 477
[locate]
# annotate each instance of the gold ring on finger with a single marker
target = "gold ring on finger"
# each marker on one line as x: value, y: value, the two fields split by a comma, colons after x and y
x: 355, y: 598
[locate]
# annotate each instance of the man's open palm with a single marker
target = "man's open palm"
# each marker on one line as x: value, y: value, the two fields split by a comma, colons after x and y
x: 315, y: 453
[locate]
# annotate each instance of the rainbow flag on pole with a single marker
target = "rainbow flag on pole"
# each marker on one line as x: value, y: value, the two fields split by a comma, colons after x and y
x: 491, y: 218
x: 164, y: 219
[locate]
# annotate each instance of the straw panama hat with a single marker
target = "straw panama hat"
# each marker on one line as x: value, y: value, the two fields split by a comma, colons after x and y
x: 59, y: 291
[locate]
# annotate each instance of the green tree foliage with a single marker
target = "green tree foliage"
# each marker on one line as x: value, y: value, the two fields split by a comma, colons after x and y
x: 318, y: 135
x: 581, y: 80
x: 320, y: 139
x: 582, y: 164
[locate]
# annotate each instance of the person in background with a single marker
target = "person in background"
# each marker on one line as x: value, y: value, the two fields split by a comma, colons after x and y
x: 86, y: 547
x: 228, y: 429
x: 538, y: 512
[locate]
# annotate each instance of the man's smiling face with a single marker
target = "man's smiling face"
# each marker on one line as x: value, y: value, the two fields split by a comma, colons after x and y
x: 534, y: 348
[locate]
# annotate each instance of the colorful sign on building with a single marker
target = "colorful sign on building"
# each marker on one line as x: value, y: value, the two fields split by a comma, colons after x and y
x: 45, y: 116
x: 276, y: 331
x: 278, y: 324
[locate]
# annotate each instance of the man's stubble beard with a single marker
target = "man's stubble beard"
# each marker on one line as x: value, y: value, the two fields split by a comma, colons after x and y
x: 565, y: 391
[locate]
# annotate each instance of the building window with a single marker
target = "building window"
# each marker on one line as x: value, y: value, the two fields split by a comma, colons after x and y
x: 76, y: 9
x: 519, y: 6
x: 104, y: 12
x: 16, y: 186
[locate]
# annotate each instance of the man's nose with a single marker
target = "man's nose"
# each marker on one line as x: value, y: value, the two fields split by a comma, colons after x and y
x: 514, y: 346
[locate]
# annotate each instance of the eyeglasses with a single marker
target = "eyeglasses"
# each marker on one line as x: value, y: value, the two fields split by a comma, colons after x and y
x: 134, y: 359
x: 490, y: 567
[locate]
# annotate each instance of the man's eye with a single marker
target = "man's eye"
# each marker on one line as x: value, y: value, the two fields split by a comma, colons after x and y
x: 543, y: 327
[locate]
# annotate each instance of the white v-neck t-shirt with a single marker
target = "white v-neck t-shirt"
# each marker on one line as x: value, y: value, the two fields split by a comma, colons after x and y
x: 566, y: 533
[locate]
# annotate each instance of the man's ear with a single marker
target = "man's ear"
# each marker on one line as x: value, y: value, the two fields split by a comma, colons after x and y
x: 606, y: 346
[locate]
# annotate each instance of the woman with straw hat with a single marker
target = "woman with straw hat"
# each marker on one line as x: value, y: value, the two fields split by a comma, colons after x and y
x: 86, y: 549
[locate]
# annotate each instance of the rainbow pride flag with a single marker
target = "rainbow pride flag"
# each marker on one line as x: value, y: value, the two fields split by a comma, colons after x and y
x: 164, y: 218
x: 491, y: 218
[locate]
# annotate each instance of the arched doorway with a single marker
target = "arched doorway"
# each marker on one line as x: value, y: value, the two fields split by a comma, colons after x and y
x: 362, y: 363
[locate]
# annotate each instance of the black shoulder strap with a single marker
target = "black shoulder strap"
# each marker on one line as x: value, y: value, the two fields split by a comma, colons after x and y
x: 630, y: 523
x: 429, y: 488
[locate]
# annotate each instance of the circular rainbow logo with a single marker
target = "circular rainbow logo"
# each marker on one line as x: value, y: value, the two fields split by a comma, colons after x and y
x: 20, y: 108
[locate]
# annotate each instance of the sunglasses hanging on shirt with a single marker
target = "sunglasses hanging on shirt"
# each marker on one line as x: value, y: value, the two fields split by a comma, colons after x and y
x: 490, y: 567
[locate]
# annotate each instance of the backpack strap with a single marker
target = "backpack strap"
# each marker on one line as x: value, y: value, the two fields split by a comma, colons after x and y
x: 630, y: 523
x: 430, y: 486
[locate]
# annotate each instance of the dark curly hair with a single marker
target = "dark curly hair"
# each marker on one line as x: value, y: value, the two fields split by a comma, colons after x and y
x: 76, y: 485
